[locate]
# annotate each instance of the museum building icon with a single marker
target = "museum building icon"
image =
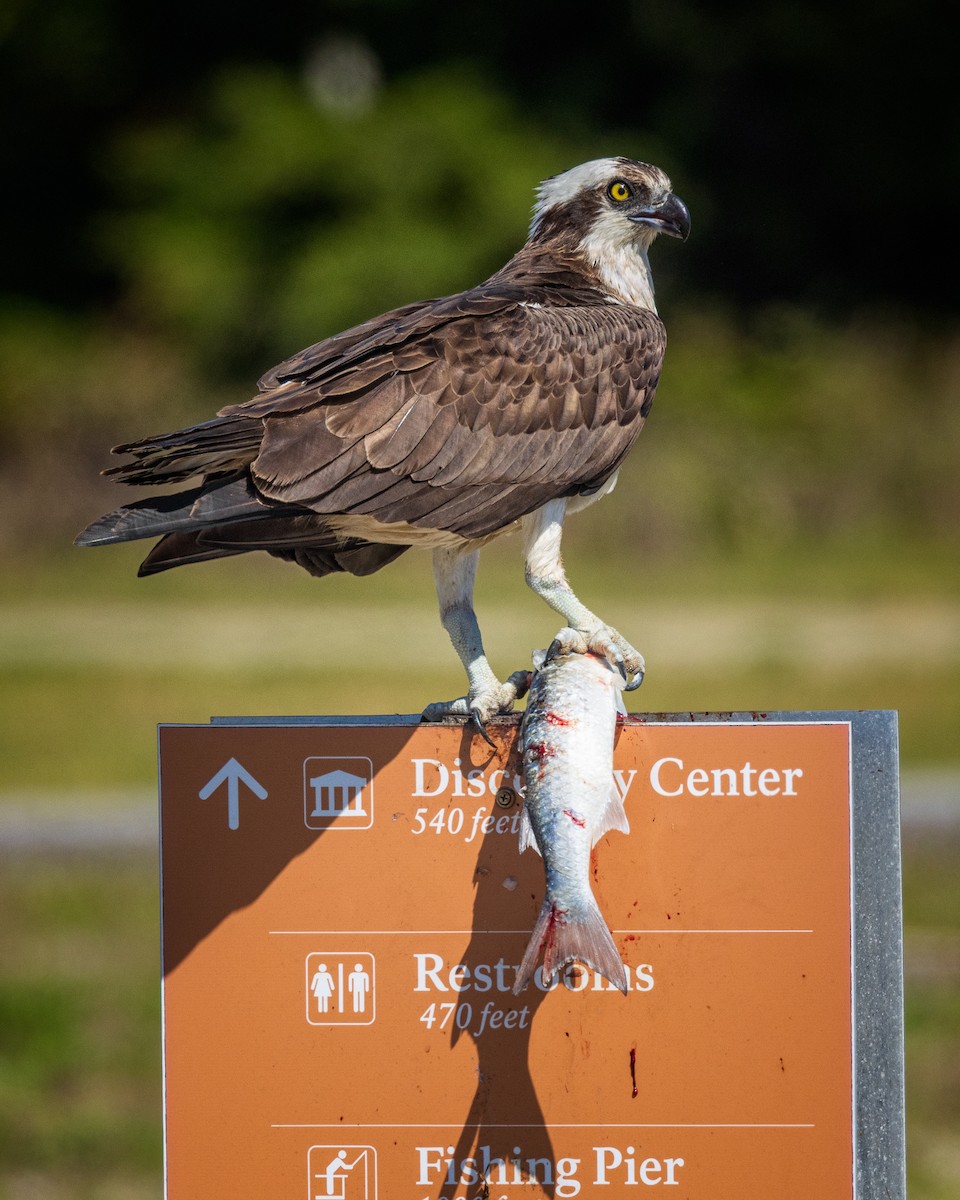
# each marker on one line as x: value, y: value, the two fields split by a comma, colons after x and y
x: 338, y: 793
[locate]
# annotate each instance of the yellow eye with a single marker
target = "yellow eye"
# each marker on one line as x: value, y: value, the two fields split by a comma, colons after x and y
x: 618, y: 190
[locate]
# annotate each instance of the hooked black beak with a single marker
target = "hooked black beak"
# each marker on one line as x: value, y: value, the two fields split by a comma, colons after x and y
x: 670, y: 216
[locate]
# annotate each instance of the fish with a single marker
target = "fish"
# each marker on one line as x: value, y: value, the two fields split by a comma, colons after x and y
x: 571, y: 800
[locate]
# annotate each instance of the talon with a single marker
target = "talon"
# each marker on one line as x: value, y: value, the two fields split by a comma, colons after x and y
x: 441, y: 709
x: 611, y: 652
x: 477, y: 726
x: 519, y: 682
x: 606, y: 642
x: 567, y: 641
x: 480, y: 705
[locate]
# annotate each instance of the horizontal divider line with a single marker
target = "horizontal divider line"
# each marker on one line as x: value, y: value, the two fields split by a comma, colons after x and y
x: 422, y: 932
x: 552, y: 1125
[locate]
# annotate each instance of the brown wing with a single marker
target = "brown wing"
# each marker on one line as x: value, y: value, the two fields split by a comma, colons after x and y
x: 454, y: 420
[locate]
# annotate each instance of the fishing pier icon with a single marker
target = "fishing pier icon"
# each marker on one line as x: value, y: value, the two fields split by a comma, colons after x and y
x: 342, y: 1173
x: 338, y: 793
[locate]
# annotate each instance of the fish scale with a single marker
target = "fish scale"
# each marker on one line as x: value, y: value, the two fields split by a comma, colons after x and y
x: 570, y: 802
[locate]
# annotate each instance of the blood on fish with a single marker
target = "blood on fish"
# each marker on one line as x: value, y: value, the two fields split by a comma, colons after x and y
x: 556, y: 918
x: 572, y: 693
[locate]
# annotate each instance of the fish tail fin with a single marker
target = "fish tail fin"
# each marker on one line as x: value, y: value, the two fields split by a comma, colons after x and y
x: 563, y: 939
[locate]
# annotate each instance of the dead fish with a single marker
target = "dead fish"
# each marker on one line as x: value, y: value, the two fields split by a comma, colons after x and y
x: 571, y: 800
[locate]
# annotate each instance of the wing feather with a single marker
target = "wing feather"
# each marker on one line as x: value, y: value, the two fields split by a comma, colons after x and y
x: 494, y: 404
x: 397, y: 441
x: 461, y: 414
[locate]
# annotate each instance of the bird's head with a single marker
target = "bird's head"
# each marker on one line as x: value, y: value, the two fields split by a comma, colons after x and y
x: 616, y: 199
x: 610, y: 211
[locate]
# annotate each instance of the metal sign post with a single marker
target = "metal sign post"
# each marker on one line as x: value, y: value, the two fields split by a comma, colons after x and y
x: 344, y: 906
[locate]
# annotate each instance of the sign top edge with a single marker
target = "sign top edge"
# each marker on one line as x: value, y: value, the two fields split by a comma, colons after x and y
x: 408, y: 720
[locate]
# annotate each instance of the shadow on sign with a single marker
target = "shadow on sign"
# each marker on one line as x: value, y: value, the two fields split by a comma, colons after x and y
x: 505, y: 1114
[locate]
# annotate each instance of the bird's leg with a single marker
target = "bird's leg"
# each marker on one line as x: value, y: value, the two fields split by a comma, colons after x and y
x: 454, y: 572
x: 545, y: 575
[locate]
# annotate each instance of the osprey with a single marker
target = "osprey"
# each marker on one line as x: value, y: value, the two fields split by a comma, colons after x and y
x: 441, y: 424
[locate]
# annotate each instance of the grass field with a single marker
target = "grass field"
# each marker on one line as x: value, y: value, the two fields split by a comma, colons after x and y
x: 92, y: 660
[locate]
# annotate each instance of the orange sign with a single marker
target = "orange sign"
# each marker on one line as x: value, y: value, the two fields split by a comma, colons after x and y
x: 344, y: 907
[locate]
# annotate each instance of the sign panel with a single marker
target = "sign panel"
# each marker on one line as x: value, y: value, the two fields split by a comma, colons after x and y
x: 344, y: 907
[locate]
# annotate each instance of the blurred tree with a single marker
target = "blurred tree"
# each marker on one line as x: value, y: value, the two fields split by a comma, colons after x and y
x: 809, y: 137
x: 193, y: 193
x: 287, y: 211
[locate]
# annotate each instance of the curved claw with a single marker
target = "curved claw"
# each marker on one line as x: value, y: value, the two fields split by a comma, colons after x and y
x: 615, y: 658
x: 475, y: 723
x: 445, y: 708
x: 600, y: 643
x: 479, y: 705
x: 520, y: 682
x: 553, y: 650
x: 567, y: 641
x: 634, y: 682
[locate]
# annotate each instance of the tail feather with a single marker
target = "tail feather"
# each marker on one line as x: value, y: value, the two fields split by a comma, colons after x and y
x: 142, y: 519
x: 222, y: 446
x: 565, y: 939
x: 219, y: 500
x: 180, y: 550
x: 324, y: 554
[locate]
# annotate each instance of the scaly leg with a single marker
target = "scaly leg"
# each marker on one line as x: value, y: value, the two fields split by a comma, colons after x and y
x: 454, y: 572
x: 544, y: 574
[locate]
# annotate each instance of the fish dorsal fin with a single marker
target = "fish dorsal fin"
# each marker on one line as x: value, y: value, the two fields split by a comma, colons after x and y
x: 614, y: 816
x: 527, y: 836
x: 539, y: 658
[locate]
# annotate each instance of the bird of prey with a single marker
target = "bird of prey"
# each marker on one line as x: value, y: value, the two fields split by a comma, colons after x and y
x: 441, y: 424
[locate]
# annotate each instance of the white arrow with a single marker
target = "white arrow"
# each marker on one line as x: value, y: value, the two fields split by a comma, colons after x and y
x: 232, y: 773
